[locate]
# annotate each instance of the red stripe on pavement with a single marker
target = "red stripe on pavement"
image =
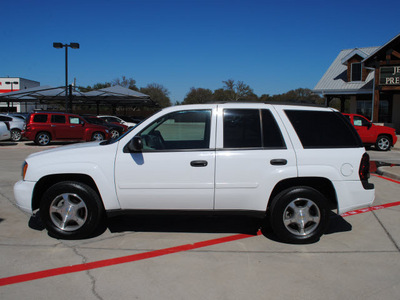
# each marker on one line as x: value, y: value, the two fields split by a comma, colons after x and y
x: 156, y: 253
x: 386, y: 178
x: 367, y: 209
x: 119, y: 260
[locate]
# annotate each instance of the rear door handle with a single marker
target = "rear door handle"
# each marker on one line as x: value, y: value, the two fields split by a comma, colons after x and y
x: 199, y: 163
x: 278, y: 162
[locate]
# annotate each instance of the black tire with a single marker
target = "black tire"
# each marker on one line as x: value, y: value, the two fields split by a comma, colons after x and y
x: 299, y: 215
x: 71, y: 210
x: 98, y: 136
x: 114, y: 133
x: 383, y: 143
x: 43, y: 138
x: 16, y: 135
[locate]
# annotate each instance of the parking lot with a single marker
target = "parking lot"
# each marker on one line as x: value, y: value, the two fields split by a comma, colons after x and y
x: 177, y: 257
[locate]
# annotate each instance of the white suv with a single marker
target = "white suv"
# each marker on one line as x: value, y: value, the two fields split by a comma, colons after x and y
x: 288, y: 164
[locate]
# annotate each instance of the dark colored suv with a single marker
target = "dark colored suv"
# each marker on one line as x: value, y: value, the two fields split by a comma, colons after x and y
x: 43, y: 127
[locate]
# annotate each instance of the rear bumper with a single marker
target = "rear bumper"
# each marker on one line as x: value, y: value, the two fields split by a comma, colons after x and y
x: 352, y: 195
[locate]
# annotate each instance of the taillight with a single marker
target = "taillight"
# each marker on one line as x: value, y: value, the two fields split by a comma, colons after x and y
x: 364, y: 167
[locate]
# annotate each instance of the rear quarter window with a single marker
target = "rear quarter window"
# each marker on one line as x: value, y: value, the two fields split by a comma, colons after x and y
x: 40, y: 118
x: 323, y: 129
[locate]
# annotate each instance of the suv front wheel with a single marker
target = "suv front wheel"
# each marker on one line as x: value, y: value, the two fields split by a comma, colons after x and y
x: 71, y: 210
x: 299, y: 215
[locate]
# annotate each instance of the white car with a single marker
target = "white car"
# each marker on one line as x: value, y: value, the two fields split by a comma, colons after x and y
x: 288, y: 164
x: 17, y: 126
x: 116, y: 120
x: 5, y: 133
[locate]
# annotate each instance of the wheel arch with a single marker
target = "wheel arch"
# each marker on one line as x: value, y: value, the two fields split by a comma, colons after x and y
x: 47, y: 181
x: 323, y: 185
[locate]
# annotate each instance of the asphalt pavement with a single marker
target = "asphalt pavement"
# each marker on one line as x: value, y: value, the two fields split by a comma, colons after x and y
x: 392, y: 170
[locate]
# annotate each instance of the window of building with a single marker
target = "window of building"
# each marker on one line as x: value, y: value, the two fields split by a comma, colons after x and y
x: 356, y: 72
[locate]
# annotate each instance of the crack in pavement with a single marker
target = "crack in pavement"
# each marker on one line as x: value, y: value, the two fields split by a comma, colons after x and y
x: 386, y: 231
x: 91, y: 277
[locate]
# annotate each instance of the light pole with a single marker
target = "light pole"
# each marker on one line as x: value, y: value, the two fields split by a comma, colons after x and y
x: 12, y: 85
x: 59, y: 46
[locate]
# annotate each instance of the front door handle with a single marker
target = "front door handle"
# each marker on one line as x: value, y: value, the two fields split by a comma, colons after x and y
x: 278, y: 162
x: 199, y: 163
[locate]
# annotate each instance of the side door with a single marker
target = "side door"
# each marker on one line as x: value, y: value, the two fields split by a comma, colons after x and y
x: 59, y: 127
x: 175, y: 169
x: 76, y: 127
x: 364, y: 129
x: 253, y: 155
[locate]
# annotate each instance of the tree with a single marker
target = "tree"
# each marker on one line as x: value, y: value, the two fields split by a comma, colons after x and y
x: 198, y: 95
x: 237, y: 91
x: 158, y: 93
x: 96, y: 86
x: 128, y: 83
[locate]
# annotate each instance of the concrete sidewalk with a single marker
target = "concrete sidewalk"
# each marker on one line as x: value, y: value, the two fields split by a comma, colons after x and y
x: 391, y: 171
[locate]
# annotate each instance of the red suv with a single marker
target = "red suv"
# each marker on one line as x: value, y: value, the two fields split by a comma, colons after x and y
x: 42, y: 127
x: 382, y: 137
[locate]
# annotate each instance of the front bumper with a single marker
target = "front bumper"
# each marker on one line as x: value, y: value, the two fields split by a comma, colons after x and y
x: 23, y: 192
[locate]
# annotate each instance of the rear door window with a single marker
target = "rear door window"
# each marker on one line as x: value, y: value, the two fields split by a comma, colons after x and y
x: 251, y: 128
x: 59, y: 119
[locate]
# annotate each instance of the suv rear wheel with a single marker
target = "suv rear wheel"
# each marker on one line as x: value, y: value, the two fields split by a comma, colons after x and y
x: 299, y: 215
x: 43, y: 139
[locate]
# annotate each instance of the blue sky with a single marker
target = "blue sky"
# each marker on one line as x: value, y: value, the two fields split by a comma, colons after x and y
x: 273, y: 46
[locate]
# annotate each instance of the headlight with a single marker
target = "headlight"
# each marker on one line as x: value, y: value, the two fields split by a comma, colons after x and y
x: 24, y: 169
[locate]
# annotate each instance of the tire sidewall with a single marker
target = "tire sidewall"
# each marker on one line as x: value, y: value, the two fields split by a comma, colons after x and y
x: 37, y: 139
x: 95, y: 210
x: 98, y: 133
x: 282, y: 200
x: 379, y: 139
x: 13, y: 133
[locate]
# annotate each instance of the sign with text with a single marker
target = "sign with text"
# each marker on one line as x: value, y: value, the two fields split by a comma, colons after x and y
x: 389, y: 75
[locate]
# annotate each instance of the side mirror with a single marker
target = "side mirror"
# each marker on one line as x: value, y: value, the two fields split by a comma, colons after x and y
x: 369, y: 125
x: 134, y: 145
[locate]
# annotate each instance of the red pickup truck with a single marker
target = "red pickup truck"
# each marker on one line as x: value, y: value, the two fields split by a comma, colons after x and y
x: 42, y: 127
x: 382, y: 137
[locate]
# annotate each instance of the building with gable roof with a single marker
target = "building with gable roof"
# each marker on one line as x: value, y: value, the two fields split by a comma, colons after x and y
x: 367, y: 82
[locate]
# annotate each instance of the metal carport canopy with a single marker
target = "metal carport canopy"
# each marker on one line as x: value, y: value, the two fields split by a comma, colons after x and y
x: 115, y: 95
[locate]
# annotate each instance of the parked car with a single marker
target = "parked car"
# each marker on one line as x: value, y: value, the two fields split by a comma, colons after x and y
x: 5, y: 132
x: 383, y: 137
x: 43, y: 127
x: 131, y: 119
x: 289, y: 165
x: 118, y: 121
x: 115, y: 130
x: 16, y: 124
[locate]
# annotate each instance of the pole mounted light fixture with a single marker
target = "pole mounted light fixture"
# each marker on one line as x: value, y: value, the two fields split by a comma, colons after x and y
x: 60, y: 46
